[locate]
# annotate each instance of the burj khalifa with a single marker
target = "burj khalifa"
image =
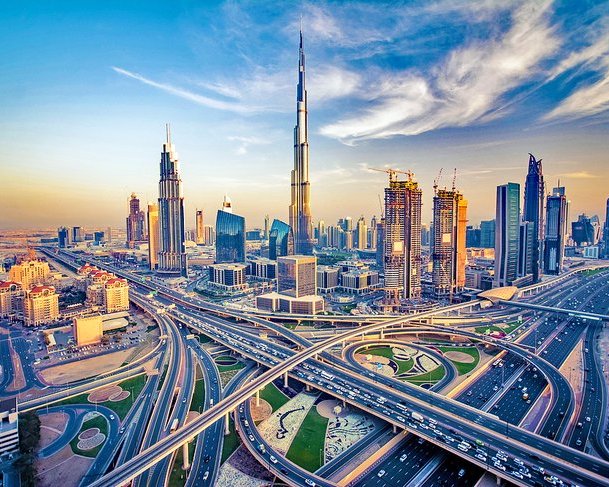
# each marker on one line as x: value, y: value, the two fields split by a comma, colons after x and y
x: 300, y: 207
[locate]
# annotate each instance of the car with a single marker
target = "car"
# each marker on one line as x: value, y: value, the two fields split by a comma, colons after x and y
x: 516, y: 474
x: 381, y: 473
x: 310, y: 482
x: 480, y: 457
x: 499, y: 465
x: 587, y: 419
x: 518, y: 461
x: 206, y: 475
x: 184, y: 401
x: 251, y: 437
x: 273, y: 459
x: 578, y: 442
x: 206, y: 458
x: 461, y: 472
x: 403, y: 457
x: 112, y: 417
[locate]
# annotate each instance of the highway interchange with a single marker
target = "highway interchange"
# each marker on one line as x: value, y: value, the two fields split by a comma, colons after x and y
x: 289, y: 352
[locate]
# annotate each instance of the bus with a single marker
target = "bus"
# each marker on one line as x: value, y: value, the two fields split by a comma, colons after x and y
x: 327, y: 376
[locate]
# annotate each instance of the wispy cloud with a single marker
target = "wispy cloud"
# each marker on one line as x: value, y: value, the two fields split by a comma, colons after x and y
x: 461, y: 90
x: 191, y: 96
x: 578, y: 175
x: 245, y: 142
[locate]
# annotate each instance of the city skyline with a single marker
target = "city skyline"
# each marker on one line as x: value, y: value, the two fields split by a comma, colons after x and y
x: 488, y: 149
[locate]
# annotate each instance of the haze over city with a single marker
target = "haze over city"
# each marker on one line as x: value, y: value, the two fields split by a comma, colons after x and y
x: 87, y: 91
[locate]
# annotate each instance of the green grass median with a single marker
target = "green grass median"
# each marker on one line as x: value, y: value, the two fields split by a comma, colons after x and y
x: 307, y: 448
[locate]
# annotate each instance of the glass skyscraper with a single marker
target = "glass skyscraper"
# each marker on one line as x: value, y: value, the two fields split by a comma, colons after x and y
x: 281, y: 240
x: 534, y: 193
x: 507, y: 234
x: 230, y: 237
x: 556, y: 231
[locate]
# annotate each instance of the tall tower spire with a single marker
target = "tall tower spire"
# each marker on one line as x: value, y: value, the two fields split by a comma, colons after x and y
x: 300, y: 207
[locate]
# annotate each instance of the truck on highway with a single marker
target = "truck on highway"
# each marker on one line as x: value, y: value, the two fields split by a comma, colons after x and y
x: 174, y: 425
x: 327, y: 376
x: 525, y: 396
x: 417, y: 416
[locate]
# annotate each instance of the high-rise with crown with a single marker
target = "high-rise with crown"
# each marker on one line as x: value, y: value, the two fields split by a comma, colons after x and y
x: 534, y: 190
x: 136, y: 223
x: 172, y: 252
x: 200, y: 231
x: 300, y: 207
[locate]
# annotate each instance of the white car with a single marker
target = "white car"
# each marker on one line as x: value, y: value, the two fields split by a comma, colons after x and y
x: 381, y: 473
x: 403, y: 457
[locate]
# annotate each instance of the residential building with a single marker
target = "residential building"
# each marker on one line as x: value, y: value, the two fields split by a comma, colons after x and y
x: 29, y: 273
x: 11, y: 294
x: 327, y: 278
x: 40, y: 305
x: 116, y: 295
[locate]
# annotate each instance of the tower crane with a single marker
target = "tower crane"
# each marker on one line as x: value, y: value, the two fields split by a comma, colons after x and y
x: 393, y: 173
x: 437, y: 180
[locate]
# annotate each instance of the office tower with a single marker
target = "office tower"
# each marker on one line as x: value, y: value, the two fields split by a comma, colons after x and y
x: 507, y: 234
x: 372, y: 233
x: 472, y: 237
x: 526, y: 249
x: 606, y: 233
x: 62, y: 237
x: 380, y: 243
x: 556, y: 231
x: 199, y: 229
x: 322, y: 235
x: 40, y: 305
x: 300, y: 207
x: 116, y: 295
x: 487, y: 234
x: 582, y: 231
x: 402, y: 240
x: 153, y: 235
x: 172, y: 252
x: 230, y: 235
x: 281, y: 240
x: 426, y: 235
x: 267, y: 227
x: 30, y: 273
x: 10, y: 298
x: 77, y: 235
x: 448, y: 246
x: 136, y: 223
x: 596, y: 229
x: 98, y: 238
x: 297, y: 275
x: 210, y: 235
x: 534, y: 191
x: 361, y: 233
x: 108, y: 235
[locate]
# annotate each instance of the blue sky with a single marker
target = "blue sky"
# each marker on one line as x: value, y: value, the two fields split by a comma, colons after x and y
x: 88, y: 86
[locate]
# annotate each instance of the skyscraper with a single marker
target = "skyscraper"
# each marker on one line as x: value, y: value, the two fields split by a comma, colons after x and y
x: 281, y: 240
x: 77, y: 234
x: 172, y: 252
x: 402, y: 240
x: 267, y: 227
x: 534, y: 192
x: 526, y: 249
x: 200, y: 232
x: 606, y: 233
x: 487, y: 234
x: 136, y: 223
x: 153, y: 235
x: 297, y: 275
x: 507, y: 234
x: 62, y: 237
x: 556, y: 231
x: 300, y: 207
x: 361, y: 233
x: 230, y: 235
x: 448, y: 254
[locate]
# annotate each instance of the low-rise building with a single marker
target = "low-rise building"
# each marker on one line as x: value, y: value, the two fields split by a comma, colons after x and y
x: 40, y: 305
x: 309, y: 305
x: 263, y: 268
x: 327, y: 278
x: 359, y: 282
x: 116, y: 295
x: 87, y: 331
x: 11, y: 296
x: 228, y: 277
x: 9, y: 426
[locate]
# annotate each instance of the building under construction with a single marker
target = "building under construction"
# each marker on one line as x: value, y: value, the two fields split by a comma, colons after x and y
x: 402, y: 241
x: 448, y: 245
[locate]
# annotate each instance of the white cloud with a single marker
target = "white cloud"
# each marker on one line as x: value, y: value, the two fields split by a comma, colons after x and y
x: 462, y: 90
x: 578, y: 175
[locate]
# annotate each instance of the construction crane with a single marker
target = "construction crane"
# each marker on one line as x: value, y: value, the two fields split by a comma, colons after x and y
x: 381, y: 205
x: 454, y: 178
x: 437, y: 180
x: 393, y: 173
